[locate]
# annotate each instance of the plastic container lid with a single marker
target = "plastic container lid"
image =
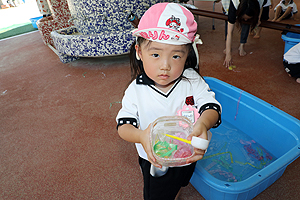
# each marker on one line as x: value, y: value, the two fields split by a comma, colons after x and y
x: 170, y: 152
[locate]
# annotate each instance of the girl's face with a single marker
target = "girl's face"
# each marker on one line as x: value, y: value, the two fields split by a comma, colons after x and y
x: 163, y: 63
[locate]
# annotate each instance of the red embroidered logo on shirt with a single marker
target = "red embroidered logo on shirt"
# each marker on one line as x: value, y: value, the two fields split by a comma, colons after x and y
x: 190, y: 101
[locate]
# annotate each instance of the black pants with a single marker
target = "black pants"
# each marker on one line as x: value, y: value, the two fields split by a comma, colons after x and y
x: 167, y: 186
x: 244, y: 32
x: 292, y: 69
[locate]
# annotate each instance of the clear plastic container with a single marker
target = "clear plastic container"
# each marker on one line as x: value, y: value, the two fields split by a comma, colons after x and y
x: 170, y: 152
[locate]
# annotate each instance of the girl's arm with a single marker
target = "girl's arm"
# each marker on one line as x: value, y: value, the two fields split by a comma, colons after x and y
x: 228, y: 61
x: 259, y: 17
x: 206, y: 121
x: 285, y: 14
x: 131, y: 134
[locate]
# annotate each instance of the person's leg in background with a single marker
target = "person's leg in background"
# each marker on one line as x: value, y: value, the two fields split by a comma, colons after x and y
x: 243, y: 40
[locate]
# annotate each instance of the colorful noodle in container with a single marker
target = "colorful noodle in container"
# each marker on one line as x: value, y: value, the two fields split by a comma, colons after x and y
x: 170, y: 152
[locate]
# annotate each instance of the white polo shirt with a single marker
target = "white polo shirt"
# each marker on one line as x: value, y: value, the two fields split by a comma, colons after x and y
x: 143, y: 103
x: 292, y: 56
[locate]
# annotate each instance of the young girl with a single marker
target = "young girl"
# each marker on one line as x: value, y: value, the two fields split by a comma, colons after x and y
x: 164, y: 66
x: 264, y: 16
x: 291, y: 62
x: 285, y: 10
x: 240, y: 11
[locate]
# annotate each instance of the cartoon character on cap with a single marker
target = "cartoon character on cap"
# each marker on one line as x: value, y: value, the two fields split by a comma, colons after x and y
x: 174, y: 23
x: 163, y: 21
x: 164, y: 73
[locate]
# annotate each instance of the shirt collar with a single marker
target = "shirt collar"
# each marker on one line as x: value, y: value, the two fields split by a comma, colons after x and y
x: 144, y: 79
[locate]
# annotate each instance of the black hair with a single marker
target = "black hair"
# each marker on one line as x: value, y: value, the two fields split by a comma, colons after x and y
x: 289, y: 3
x: 250, y: 8
x: 136, y: 66
x: 183, y: 1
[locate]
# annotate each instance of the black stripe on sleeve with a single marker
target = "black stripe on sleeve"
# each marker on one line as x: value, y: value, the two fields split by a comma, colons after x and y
x: 215, y: 107
x: 132, y: 121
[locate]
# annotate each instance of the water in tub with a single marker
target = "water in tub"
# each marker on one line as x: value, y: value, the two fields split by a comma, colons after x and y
x: 233, y: 156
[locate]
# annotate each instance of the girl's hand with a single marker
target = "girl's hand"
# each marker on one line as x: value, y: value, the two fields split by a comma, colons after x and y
x: 200, y: 130
x: 207, y: 120
x: 227, y: 61
x: 145, y: 141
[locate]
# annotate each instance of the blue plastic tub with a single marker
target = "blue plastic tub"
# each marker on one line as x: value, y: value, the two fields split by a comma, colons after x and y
x: 290, y: 39
x: 276, y: 132
x: 34, y: 20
